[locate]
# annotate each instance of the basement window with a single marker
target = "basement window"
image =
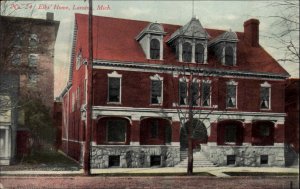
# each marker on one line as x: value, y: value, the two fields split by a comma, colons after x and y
x: 264, y: 159
x: 231, y: 160
x: 114, y: 161
x: 155, y: 161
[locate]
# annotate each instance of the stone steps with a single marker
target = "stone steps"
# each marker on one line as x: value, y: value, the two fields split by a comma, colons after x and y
x: 199, y: 160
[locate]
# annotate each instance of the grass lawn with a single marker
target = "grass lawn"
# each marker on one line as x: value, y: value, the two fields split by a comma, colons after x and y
x: 43, y: 160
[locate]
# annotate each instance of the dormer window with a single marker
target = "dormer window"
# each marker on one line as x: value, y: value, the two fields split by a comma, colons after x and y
x: 190, y: 42
x: 186, y: 52
x: 224, y: 47
x: 199, y: 53
x: 151, y: 41
x: 229, y: 55
x: 154, y: 49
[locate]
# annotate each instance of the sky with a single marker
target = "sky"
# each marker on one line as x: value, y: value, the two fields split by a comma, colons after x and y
x: 215, y: 14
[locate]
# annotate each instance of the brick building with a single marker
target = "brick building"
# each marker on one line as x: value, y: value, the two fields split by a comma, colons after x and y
x: 141, y: 73
x: 26, y: 54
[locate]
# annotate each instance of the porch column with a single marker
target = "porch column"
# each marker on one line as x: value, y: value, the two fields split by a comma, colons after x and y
x: 135, y: 131
x: 212, y: 138
x: 176, y: 133
x: 279, y: 133
x: 247, y: 132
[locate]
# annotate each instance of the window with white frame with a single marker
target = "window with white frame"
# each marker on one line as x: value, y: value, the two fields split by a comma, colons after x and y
x: 265, y: 98
x: 32, y: 60
x: 116, y: 130
x: 114, y: 87
x: 231, y: 94
x: 78, y: 96
x: 195, y: 92
x: 79, y: 59
x: 183, y: 91
x: 186, y: 52
x: 154, y: 49
x: 3, y: 142
x: 32, y: 78
x: 156, y: 89
x: 199, y: 53
x: 33, y: 40
x: 205, y: 93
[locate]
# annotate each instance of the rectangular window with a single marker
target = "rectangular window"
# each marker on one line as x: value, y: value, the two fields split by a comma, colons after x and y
x: 205, y: 94
x: 154, y: 129
x: 78, y: 96
x: 16, y: 59
x: 3, y: 142
x: 264, y: 159
x: 116, y: 131
x: 265, y: 97
x: 182, y: 93
x: 32, y: 60
x: 195, y: 93
x: 230, y: 133
x: 32, y: 78
x: 73, y: 102
x: 156, y: 92
x: 155, y: 161
x: 231, y: 160
x: 114, y: 89
x: 231, y: 96
x: 114, y: 161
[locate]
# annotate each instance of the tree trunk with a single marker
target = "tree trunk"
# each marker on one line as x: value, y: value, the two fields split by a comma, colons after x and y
x: 190, y: 153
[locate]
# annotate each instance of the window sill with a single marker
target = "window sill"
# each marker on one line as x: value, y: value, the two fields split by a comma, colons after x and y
x: 231, y: 108
x: 156, y: 104
x: 114, y: 103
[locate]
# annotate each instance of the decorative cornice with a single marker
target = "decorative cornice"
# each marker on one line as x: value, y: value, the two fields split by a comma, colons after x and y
x: 203, y: 71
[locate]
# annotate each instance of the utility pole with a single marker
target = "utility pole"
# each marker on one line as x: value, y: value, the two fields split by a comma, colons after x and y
x: 88, y: 125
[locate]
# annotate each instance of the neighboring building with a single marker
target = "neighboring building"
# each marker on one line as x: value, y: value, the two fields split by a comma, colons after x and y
x: 292, y: 121
x: 26, y: 52
x: 140, y: 77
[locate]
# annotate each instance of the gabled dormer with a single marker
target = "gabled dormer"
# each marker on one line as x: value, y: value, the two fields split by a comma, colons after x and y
x: 224, y: 47
x: 151, y: 41
x: 190, y: 42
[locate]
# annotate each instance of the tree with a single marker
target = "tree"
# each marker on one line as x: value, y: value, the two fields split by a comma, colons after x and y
x: 286, y: 29
x: 26, y: 54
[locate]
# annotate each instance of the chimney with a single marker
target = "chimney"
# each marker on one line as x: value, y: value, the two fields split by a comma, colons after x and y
x: 251, y: 32
x: 50, y: 16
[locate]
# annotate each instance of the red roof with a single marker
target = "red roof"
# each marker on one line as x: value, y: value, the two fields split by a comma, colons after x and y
x: 114, y: 39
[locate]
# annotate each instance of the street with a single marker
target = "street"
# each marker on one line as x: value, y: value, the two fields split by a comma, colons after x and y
x: 166, y: 182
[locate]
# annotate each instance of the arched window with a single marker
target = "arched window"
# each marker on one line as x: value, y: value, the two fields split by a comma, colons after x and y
x: 154, y: 49
x: 199, y: 53
x: 229, y: 56
x: 187, y: 52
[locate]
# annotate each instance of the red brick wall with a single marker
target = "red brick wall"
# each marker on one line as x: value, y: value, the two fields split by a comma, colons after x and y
x: 136, y: 91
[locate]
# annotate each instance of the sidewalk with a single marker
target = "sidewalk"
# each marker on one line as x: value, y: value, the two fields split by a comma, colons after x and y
x: 216, y: 171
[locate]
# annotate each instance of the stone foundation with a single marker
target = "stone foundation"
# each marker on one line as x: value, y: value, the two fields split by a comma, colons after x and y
x: 245, y: 155
x: 134, y: 156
